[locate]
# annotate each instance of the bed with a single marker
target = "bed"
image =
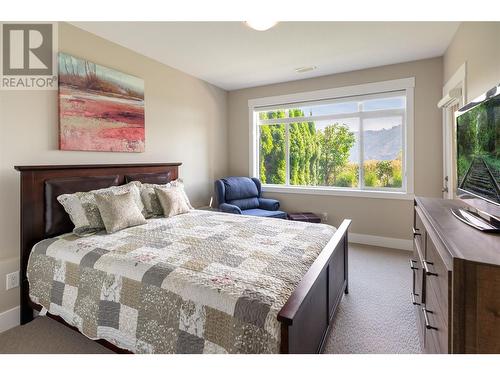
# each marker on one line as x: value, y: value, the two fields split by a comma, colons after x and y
x: 202, y: 282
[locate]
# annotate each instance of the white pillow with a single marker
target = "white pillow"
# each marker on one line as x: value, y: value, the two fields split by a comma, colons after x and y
x: 180, y: 184
x: 151, y: 202
x: 119, y: 211
x: 172, y: 201
x: 152, y: 205
x: 83, y: 211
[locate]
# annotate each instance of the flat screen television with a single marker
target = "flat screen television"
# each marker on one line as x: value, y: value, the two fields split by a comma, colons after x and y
x: 478, y: 149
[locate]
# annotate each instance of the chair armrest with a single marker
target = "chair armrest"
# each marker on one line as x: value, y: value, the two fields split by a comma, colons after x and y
x: 269, y: 204
x: 230, y: 208
x: 220, y: 192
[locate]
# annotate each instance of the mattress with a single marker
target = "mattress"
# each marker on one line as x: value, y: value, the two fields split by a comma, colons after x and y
x: 201, y: 282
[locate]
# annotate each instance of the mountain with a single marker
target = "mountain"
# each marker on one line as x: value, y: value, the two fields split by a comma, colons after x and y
x: 383, y: 144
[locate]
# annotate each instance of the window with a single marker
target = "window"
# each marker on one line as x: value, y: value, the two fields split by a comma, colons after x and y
x: 356, y: 143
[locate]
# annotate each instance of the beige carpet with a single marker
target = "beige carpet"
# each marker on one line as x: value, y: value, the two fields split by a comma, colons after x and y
x: 375, y: 317
x: 46, y: 336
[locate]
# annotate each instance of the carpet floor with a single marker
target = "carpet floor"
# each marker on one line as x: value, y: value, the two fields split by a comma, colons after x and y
x: 46, y: 336
x: 375, y: 317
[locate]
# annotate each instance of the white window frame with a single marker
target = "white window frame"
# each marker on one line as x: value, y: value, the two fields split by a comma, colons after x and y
x: 457, y: 81
x: 337, y: 94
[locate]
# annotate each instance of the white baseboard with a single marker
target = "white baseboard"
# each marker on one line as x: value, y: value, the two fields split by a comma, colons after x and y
x: 393, y: 243
x: 9, y: 319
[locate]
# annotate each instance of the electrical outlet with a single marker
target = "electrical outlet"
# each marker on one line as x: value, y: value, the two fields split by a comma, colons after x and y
x: 324, y: 217
x: 12, y: 280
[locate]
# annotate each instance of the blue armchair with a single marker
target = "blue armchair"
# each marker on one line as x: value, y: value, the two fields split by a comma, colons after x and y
x: 241, y: 195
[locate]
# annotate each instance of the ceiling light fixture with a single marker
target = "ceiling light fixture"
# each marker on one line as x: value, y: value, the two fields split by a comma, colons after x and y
x: 304, y: 69
x: 261, y: 25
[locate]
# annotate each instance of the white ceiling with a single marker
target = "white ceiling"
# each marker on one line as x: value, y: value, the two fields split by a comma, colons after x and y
x: 232, y: 56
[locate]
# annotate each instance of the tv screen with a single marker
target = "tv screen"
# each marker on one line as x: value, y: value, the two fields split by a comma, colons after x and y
x: 478, y: 147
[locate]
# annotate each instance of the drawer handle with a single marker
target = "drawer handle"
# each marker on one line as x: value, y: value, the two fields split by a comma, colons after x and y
x: 412, y: 266
x: 416, y: 232
x: 413, y: 300
x: 426, y: 318
x: 428, y: 272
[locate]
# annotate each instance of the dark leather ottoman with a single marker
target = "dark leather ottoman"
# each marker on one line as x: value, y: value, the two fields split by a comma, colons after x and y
x: 308, y: 217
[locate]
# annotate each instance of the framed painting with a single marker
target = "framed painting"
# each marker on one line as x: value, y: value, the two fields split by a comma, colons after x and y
x: 100, y: 109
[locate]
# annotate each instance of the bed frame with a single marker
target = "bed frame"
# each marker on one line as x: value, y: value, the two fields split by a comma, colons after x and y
x: 306, y: 316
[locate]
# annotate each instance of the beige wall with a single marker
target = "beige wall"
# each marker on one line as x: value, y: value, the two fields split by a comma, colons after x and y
x: 185, y: 121
x: 477, y: 44
x: 371, y: 216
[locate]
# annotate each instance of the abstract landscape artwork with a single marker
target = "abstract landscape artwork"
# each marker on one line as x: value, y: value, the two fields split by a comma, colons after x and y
x: 100, y: 109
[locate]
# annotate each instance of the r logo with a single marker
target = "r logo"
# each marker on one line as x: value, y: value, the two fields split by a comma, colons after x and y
x: 27, y: 49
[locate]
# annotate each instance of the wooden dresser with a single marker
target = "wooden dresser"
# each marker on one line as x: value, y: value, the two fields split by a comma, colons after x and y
x: 456, y: 281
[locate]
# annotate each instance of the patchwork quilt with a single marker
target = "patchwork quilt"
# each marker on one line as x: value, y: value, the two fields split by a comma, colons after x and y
x: 201, y: 282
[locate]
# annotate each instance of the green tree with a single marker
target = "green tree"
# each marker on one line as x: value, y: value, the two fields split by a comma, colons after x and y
x: 384, y: 171
x: 304, y: 151
x: 318, y: 157
x: 272, y: 151
x: 336, y: 142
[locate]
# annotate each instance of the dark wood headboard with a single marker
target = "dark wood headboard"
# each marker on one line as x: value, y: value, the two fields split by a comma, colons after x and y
x: 33, y: 204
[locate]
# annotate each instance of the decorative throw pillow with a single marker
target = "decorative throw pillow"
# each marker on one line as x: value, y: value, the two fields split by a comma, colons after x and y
x: 151, y: 202
x: 172, y: 201
x: 83, y: 211
x: 180, y: 184
x: 119, y: 211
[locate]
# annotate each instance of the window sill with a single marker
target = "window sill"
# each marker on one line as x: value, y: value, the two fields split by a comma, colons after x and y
x: 337, y: 192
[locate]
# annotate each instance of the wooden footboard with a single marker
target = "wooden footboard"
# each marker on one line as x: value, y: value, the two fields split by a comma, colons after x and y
x: 305, y: 318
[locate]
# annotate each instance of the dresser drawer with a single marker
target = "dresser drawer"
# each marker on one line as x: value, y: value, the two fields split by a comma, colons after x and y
x: 437, y: 278
x: 419, y: 229
x: 418, y: 299
x: 436, y: 324
x: 416, y: 266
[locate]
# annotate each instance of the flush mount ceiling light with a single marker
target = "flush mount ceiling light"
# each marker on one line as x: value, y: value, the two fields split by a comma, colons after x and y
x: 261, y: 25
x: 304, y: 69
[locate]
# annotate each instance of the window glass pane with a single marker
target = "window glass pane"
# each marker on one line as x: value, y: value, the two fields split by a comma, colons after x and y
x: 325, y: 153
x: 272, y: 150
x: 310, y: 110
x: 304, y: 153
x: 339, y: 161
x: 382, y: 151
x: 336, y: 108
x: 384, y: 103
x: 275, y: 113
x: 328, y: 152
x: 330, y: 109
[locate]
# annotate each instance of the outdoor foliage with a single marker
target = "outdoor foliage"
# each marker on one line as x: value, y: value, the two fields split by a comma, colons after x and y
x: 478, y: 138
x: 384, y: 173
x: 318, y: 157
x: 336, y: 141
